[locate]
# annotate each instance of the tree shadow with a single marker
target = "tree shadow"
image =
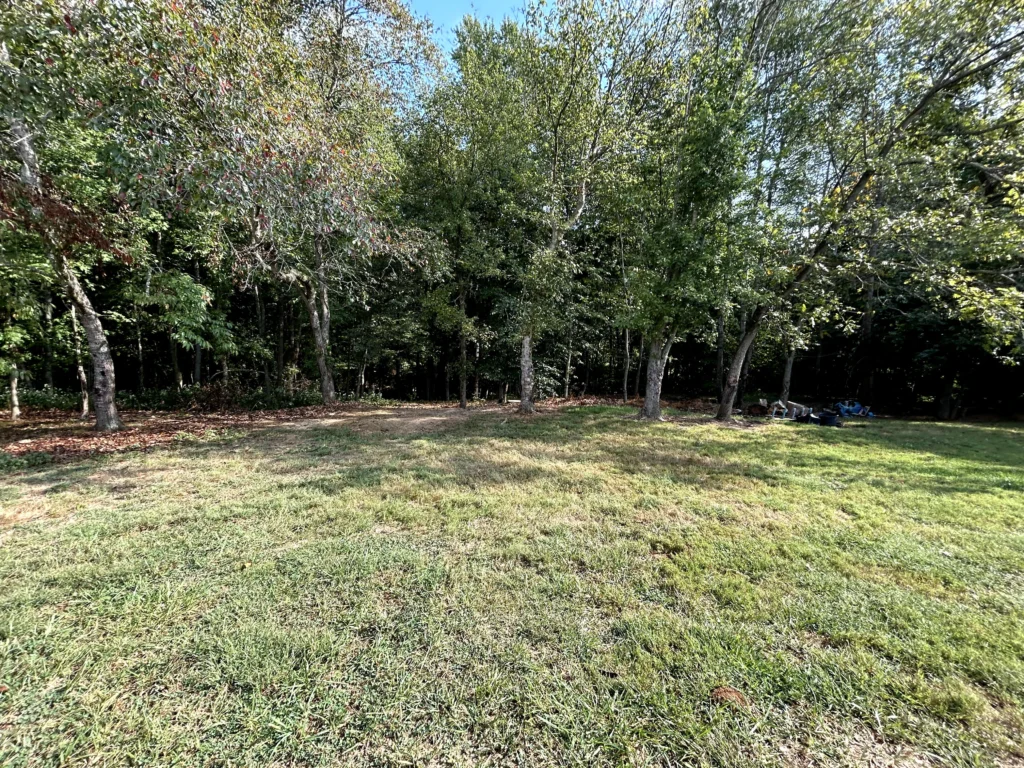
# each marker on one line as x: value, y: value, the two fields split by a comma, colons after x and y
x: 573, y: 450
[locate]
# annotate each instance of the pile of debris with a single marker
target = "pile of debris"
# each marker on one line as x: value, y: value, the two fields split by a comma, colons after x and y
x: 805, y: 414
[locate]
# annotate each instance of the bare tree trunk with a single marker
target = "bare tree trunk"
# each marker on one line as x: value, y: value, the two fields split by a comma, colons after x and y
x: 313, y: 291
x: 103, y: 380
x: 139, y: 353
x: 867, y: 345
x: 293, y: 353
x: 660, y: 347
x: 476, y: 370
x: 178, y: 382
x: 15, y: 409
x: 568, y: 370
x: 48, y: 331
x: 787, y: 375
x: 625, y: 371
x: 138, y: 336
x: 197, y: 371
x: 261, y: 318
x: 463, y: 365
x: 83, y: 381
x: 720, y: 360
x: 279, y: 346
x: 317, y: 319
x: 502, y: 392
x: 945, y: 404
x: 526, y: 382
x: 732, y: 380
x: 744, y: 375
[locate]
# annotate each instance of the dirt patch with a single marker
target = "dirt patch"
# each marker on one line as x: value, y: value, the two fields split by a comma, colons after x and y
x: 400, y: 421
x: 61, y: 436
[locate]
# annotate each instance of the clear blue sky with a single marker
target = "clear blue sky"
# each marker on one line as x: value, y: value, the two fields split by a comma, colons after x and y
x: 447, y: 15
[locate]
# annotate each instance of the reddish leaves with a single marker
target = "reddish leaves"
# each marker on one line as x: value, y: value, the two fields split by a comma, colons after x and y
x: 726, y: 694
x: 64, y: 437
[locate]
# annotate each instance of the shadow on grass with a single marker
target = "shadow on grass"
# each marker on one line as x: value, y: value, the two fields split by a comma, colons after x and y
x: 494, y: 448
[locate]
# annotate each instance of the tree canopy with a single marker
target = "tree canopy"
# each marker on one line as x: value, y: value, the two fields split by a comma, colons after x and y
x: 288, y: 201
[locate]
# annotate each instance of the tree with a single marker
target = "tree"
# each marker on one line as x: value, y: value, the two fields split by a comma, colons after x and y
x: 468, y: 177
x: 901, y: 63
x: 591, y: 69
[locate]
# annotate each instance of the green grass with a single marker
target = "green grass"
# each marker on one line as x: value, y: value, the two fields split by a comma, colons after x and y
x: 566, y: 589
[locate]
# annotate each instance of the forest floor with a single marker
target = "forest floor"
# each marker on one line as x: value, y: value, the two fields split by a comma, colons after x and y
x: 423, y: 586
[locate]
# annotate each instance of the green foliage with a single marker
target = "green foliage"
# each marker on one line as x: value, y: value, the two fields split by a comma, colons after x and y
x: 226, y: 178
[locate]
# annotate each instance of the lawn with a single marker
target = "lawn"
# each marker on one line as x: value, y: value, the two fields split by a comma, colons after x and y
x: 423, y: 587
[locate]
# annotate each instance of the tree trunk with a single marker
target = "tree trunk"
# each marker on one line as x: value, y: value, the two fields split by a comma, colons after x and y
x: 787, y: 375
x: 526, y: 382
x: 639, y: 368
x: 279, y: 346
x: 720, y: 360
x: 295, y: 349
x: 660, y: 347
x: 568, y: 371
x: 738, y: 395
x: 102, y: 362
x: 320, y: 343
x: 178, y: 381
x: 867, y: 357
x: 140, y: 354
x: 463, y: 373
x: 103, y: 380
x: 15, y: 409
x: 946, y: 409
x: 732, y: 380
x: 83, y: 380
x: 313, y: 291
x: 261, y: 318
x: 502, y: 392
x: 476, y: 370
x: 48, y: 331
x: 586, y: 370
x: 138, y: 335
x: 625, y: 372
x: 744, y: 375
x: 197, y: 371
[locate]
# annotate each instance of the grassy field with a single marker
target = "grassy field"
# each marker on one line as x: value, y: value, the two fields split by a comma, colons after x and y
x: 418, y: 587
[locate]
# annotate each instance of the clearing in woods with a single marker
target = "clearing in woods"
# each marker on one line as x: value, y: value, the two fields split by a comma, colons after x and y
x: 429, y: 587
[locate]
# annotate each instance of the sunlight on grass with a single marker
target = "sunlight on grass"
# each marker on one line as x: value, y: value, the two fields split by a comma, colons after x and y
x: 564, y: 589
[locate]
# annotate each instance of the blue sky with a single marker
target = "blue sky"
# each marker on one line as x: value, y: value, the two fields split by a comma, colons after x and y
x: 447, y: 15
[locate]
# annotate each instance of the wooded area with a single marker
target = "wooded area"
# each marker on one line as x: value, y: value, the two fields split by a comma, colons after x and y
x: 282, y: 202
